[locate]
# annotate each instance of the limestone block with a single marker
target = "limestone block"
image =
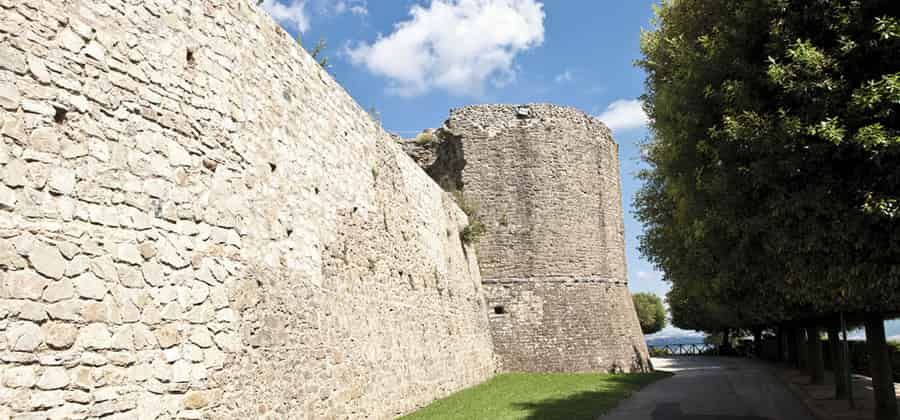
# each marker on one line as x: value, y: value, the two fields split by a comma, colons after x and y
x: 9, y: 96
x: 70, y: 40
x: 95, y: 51
x: 45, y: 139
x: 38, y: 107
x: 167, y: 336
x: 89, y: 286
x: 25, y: 285
x: 62, y: 181
x: 195, y: 400
x: 53, y: 378
x: 24, y: 336
x: 178, y: 156
x: 7, y: 198
x: 19, y: 377
x: 228, y: 342
x: 104, y: 268
x: 80, y: 264
x: 59, y: 290
x: 58, y: 335
x: 78, y: 397
x: 67, y: 310
x: 47, y: 260
x: 181, y: 371
x: 38, y: 69
x: 14, y: 174
x: 94, y: 311
x: 153, y: 274
x: 32, y: 311
x: 13, y: 60
x: 128, y: 253
x: 14, y: 128
x: 94, y: 336
x: 130, y: 276
x: 42, y: 400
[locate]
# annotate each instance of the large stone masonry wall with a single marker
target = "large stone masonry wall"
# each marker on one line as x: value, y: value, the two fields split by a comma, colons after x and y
x: 196, y: 221
x: 545, y: 182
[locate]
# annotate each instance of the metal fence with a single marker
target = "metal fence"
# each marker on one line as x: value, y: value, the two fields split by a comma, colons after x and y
x: 684, y: 350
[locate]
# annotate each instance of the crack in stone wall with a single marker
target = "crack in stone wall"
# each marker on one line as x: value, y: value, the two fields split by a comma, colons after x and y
x: 196, y: 221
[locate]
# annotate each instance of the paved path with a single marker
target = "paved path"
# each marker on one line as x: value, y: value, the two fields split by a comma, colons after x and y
x: 712, y: 388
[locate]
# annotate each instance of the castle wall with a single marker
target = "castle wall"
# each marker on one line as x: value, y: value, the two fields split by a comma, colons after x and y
x: 196, y: 221
x: 545, y: 180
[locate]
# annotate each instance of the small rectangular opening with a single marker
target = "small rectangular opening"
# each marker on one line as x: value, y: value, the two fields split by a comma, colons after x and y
x: 499, y: 310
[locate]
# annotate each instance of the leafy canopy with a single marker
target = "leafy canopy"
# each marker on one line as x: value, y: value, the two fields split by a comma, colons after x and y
x: 773, y: 188
x: 650, y: 311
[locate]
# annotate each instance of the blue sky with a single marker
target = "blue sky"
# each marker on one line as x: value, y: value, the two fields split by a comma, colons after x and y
x: 413, y: 61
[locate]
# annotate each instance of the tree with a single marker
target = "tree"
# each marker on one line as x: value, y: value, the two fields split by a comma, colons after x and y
x: 650, y: 311
x: 774, y: 180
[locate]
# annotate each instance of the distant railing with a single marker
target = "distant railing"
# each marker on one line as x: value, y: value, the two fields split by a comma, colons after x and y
x: 684, y: 350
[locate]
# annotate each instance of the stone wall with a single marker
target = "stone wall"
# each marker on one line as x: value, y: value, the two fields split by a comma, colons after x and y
x: 545, y: 180
x: 196, y: 221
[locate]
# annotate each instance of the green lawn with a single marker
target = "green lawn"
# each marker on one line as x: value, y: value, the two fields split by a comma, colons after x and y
x: 534, y: 396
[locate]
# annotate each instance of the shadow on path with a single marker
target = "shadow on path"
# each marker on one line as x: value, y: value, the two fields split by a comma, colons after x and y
x: 672, y: 411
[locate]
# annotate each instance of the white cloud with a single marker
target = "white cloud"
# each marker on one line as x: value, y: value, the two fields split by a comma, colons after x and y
x: 355, y: 7
x: 648, y: 275
x: 564, y: 77
x: 290, y: 15
x: 454, y: 45
x: 624, y: 114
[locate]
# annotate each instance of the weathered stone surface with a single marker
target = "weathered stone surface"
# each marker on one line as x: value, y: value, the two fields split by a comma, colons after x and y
x: 24, y: 336
x: 129, y: 253
x: 94, y: 336
x: 14, y: 173
x: 19, y: 377
x: 89, y: 286
x: 45, y: 139
x: 556, y: 281
x: 167, y: 336
x: 7, y: 198
x: 47, y: 260
x: 9, y: 96
x: 59, y: 290
x: 53, y: 378
x: 38, y: 69
x: 62, y: 181
x: 59, y: 336
x: 202, y: 233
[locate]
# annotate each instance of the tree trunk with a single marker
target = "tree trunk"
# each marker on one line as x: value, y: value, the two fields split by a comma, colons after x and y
x: 838, y: 365
x: 880, y: 369
x: 791, y: 340
x: 802, y: 348
x: 816, y: 361
x: 779, y: 336
x: 757, y: 343
x: 726, y: 343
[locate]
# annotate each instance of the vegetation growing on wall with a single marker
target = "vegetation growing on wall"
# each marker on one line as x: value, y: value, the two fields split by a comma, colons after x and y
x: 475, y: 229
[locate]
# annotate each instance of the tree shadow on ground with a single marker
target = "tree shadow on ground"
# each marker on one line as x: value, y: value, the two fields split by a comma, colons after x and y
x: 672, y: 411
x: 590, y: 405
x: 587, y: 405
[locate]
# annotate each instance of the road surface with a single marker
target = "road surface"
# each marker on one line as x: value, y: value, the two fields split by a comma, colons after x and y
x: 712, y: 388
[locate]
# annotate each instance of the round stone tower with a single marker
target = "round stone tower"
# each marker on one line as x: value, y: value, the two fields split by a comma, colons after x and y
x: 545, y: 182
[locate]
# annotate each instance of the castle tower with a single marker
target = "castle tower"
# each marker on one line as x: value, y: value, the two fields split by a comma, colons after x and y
x: 545, y: 182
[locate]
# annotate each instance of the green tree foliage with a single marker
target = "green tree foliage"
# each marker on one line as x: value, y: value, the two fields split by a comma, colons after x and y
x: 773, y: 188
x: 650, y: 311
